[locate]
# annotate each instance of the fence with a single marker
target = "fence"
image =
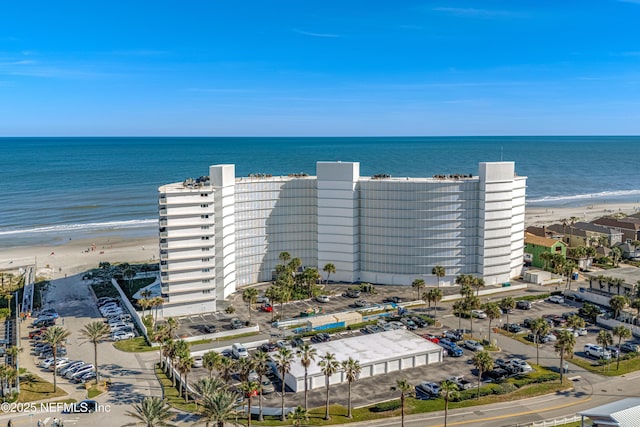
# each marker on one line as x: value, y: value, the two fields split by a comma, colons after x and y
x: 556, y: 422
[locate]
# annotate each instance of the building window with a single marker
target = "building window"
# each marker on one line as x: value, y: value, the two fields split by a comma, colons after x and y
x: 204, y: 194
x: 206, y: 259
x: 206, y: 291
x: 205, y: 249
x: 204, y: 238
x: 204, y: 216
x: 204, y: 227
x: 205, y: 270
x: 205, y: 281
x: 204, y: 205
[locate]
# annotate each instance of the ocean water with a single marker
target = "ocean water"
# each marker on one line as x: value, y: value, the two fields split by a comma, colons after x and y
x: 55, y: 188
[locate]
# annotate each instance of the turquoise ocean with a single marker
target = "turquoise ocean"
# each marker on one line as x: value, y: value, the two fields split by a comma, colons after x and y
x: 55, y: 188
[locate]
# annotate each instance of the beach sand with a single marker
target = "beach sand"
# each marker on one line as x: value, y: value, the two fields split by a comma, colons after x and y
x: 77, y: 256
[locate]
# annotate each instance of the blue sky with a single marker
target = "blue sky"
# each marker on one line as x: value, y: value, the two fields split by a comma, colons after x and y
x: 319, y: 68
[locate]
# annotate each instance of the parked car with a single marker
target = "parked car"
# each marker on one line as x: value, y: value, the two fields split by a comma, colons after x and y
x: 321, y: 337
x: 394, y: 300
x: 269, y: 347
x: 71, y: 367
x: 556, y: 299
x: 500, y: 363
x: 541, y: 340
x: 420, y: 322
x: 297, y: 342
x: 267, y: 308
x: 473, y: 345
x: 267, y: 385
x: 451, y: 348
x: 197, y: 362
x: 497, y: 374
x: 239, y: 351
x: 452, y: 335
x: 511, y: 327
x: 360, y: 304
x: 528, y: 322
x: 596, y: 351
x: 523, y: 305
x: 262, y: 300
x: 410, y: 324
x: 88, y: 377
x: 428, y: 388
x: 237, y: 323
x: 322, y: 298
x: 48, y: 363
x: 351, y: 293
x: 480, y: 314
x: 629, y: 347
x: 461, y: 382
x: 520, y: 365
x: 613, y: 349
x: 431, y: 338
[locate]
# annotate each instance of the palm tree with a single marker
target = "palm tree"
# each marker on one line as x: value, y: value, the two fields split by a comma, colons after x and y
x: 151, y: 412
x: 172, y: 326
x: 298, y: 415
x: 405, y: 389
x: 250, y: 388
x: 418, y: 284
x: 329, y: 269
x: 328, y: 366
x: 185, y: 363
x: 283, y: 359
x: 478, y: 283
x: 574, y: 322
x: 284, y: 257
x: 55, y: 336
x: 507, y: 304
x: 604, y: 339
x: 546, y: 257
x: 439, y: 272
x: 448, y: 391
x: 459, y: 310
x: 307, y: 355
x: 352, y: 369
x: 539, y: 328
x: 622, y: 332
x: 618, y: 303
x: 434, y: 295
x: 226, y: 368
x: 219, y: 407
x: 483, y: 362
x: 250, y: 295
x: 564, y: 346
x: 210, y: 361
x: 493, y: 312
x: 471, y: 303
x: 207, y: 386
x: 13, y: 353
x: 616, y: 255
x: 262, y: 365
x: 95, y: 333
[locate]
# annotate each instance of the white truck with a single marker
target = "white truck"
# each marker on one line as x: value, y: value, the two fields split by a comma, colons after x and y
x: 461, y: 382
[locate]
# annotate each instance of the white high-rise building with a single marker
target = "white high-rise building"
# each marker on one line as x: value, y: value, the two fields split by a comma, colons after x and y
x: 220, y: 232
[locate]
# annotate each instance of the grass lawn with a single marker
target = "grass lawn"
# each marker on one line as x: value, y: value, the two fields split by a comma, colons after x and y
x: 32, y: 388
x: 626, y: 366
x: 171, y: 394
x: 134, y: 345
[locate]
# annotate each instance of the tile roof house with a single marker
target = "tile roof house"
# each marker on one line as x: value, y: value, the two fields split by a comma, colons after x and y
x: 535, y: 246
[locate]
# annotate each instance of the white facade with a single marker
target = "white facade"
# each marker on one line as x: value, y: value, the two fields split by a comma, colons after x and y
x: 223, y: 232
x: 378, y: 354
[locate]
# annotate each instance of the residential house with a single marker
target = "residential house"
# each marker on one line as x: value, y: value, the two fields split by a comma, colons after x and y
x: 628, y: 226
x: 595, y: 231
x: 535, y: 246
x: 571, y: 236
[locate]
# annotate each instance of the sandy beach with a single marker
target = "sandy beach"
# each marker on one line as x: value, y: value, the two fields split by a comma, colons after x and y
x: 76, y: 256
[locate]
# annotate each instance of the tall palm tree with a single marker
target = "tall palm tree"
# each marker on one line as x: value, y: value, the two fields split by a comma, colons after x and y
x: 95, y: 333
x: 262, y: 365
x: 185, y: 363
x: 478, y: 283
x: 622, y: 332
x: 448, y: 391
x: 207, y: 386
x: 434, y: 295
x: 604, y: 339
x: 493, y: 312
x: 405, y: 389
x: 219, y: 407
x: 298, y: 416
x: 56, y: 337
x: 418, y: 284
x: 618, y: 303
x: 539, y: 328
x: 459, y: 310
x: 250, y: 388
x: 564, y: 346
x: 507, y: 304
x: 283, y: 359
x: 250, y: 295
x: 483, y: 362
x: 329, y: 268
x: 575, y: 322
x: 471, y: 303
x: 329, y: 365
x: 439, y: 272
x: 210, y: 361
x: 13, y: 353
x: 284, y: 257
x: 352, y: 369
x: 307, y: 355
x: 226, y: 368
x: 151, y: 412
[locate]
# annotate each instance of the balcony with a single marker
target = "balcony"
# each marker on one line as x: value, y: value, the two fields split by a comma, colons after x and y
x: 163, y: 212
x: 163, y: 222
x: 164, y: 234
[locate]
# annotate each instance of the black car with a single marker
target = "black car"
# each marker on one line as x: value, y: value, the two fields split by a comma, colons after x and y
x: 497, y: 374
x: 523, y: 305
x: 321, y: 337
x: 500, y: 363
x: 297, y: 342
x: 527, y: 322
x: 209, y: 328
x: 511, y: 327
x: 269, y: 347
x: 420, y: 322
x: 394, y: 300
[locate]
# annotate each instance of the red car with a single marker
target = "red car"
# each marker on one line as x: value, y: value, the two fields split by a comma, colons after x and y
x: 431, y: 338
x: 34, y: 334
x: 267, y: 308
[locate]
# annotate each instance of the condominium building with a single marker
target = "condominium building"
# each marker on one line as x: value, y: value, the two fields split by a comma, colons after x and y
x: 220, y: 232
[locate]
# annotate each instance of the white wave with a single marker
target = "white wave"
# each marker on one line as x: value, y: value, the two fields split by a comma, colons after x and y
x: 88, y: 226
x: 601, y: 195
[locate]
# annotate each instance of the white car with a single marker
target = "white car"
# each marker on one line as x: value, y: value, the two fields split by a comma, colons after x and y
x: 556, y: 299
x: 198, y: 362
x: 48, y: 362
x: 473, y: 345
x: 582, y: 331
x: 122, y: 335
x: 520, y: 365
x: 322, y: 298
x: 592, y: 350
x: 480, y: 314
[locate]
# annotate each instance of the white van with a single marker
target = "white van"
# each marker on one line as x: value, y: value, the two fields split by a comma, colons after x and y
x: 238, y: 351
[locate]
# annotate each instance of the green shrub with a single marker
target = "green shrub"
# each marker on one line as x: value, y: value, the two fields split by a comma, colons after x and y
x: 505, y: 388
x: 472, y: 393
x: 532, y: 297
x: 386, y: 406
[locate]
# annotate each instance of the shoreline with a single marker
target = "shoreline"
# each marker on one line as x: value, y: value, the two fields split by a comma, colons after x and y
x: 74, y: 256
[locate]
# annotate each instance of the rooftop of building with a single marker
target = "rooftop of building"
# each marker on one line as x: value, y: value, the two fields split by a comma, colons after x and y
x: 630, y: 275
x: 368, y: 349
x: 625, y: 412
x: 532, y: 239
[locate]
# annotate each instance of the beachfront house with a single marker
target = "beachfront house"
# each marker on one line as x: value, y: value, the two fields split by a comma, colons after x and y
x: 535, y: 246
x: 628, y: 226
